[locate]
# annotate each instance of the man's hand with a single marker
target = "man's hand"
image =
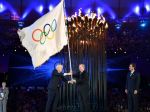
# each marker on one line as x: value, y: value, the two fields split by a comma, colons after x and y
x: 70, y: 73
x: 72, y: 81
x: 126, y: 91
x: 135, y: 92
x: 1, y: 98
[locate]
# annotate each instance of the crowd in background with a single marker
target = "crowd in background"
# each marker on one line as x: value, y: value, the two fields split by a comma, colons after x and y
x: 34, y: 100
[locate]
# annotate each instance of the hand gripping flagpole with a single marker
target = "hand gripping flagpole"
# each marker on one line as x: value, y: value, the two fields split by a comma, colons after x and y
x: 69, y: 54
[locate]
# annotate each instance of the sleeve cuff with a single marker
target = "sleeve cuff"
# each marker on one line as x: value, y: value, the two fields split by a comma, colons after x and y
x: 64, y: 74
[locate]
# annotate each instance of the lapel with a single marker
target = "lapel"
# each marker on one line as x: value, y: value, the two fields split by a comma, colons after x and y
x: 132, y: 74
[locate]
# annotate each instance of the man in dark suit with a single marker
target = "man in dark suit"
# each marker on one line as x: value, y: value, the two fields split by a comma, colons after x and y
x: 82, y: 83
x: 4, y: 91
x: 53, y: 87
x: 132, y: 88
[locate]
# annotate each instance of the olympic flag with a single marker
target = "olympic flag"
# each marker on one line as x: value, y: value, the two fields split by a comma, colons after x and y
x: 46, y: 36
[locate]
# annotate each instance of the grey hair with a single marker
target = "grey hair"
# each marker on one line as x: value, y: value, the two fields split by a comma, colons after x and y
x: 58, y: 65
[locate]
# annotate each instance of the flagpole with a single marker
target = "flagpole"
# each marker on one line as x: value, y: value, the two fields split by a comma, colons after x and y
x: 69, y: 53
x: 70, y: 63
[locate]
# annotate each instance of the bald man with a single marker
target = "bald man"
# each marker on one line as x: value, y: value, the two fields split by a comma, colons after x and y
x: 55, y: 82
x: 82, y: 83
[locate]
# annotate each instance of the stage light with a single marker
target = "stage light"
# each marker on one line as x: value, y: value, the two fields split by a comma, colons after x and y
x: 118, y: 26
x: 24, y: 15
x: 113, y: 17
x: 99, y: 11
x: 88, y: 11
x: 107, y: 9
x: 27, y: 11
x: 51, y: 8
x: 2, y: 7
x: 137, y: 10
x: 147, y: 7
x: 20, y: 24
x: 40, y: 9
x: 15, y: 16
x: 143, y: 24
x: 115, y: 69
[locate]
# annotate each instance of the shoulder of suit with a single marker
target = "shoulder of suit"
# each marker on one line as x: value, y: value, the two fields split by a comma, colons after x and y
x: 136, y: 72
x: 85, y: 72
x: 54, y: 71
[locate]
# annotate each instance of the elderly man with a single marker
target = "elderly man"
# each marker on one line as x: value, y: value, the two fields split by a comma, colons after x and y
x: 82, y: 83
x: 53, y: 88
x: 3, y: 97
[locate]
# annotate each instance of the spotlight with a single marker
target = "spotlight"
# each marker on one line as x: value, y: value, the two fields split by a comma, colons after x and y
x: 118, y: 26
x: 2, y: 8
x: 147, y: 7
x: 88, y: 11
x: 50, y: 8
x: 143, y: 24
x: 99, y: 11
x: 137, y: 10
x: 20, y: 24
x: 24, y: 15
x: 40, y: 9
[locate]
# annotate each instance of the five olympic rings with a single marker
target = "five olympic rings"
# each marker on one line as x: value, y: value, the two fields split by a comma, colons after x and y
x: 40, y: 35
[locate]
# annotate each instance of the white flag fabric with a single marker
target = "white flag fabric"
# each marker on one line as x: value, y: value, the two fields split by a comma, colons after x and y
x: 45, y: 37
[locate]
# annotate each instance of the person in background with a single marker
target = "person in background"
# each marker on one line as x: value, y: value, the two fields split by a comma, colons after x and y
x: 53, y: 88
x: 132, y: 88
x: 82, y: 83
x: 4, y: 91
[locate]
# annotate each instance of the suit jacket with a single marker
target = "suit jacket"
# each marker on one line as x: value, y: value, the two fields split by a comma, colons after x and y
x: 82, y: 80
x: 5, y: 91
x: 133, y: 81
x: 56, y: 80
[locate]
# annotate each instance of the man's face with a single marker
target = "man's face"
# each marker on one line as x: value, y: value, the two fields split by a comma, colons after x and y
x: 131, y: 67
x: 3, y: 84
x: 81, y: 68
x: 59, y: 68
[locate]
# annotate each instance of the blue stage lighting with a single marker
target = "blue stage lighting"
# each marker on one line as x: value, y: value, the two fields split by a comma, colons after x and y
x: 115, y: 69
x: 143, y: 24
x: 24, y: 15
x: 20, y: 24
x: 28, y: 10
x: 40, y: 9
x: 147, y: 7
x: 88, y: 11
x: 2, y: 7
x: 99, y: 11
x: 51, y: 8
x: 118, y: 26
x: 137, y: 10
